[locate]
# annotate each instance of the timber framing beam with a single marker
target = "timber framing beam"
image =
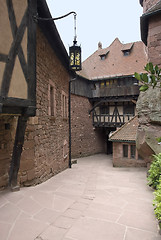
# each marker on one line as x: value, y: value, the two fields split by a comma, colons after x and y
x: 26, y: 54
x: 12, y: 56
x: 17, y: 150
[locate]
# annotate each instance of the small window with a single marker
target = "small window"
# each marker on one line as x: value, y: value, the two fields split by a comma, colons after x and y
x: 102, y: 84
x: 126, y: 53
x: 104, y: 110
x: 103, y: 57
x: 128, y: 109
x: 64, y: 98
x: 107, y: 83
x: 65, y: 149
x: 125, y: 150
x: 51, y: 99
x: 133, y: 151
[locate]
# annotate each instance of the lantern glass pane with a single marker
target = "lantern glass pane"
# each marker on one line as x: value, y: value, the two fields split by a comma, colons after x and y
x: 75, y: 58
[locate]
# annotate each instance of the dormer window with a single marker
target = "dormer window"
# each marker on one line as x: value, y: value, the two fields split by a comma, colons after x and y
x: 126, y: 52
x: 126, y: 49
x: 103, y: 54
x: 103, y: 57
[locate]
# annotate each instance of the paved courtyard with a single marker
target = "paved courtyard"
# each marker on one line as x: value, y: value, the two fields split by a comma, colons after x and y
x: 91, y: 201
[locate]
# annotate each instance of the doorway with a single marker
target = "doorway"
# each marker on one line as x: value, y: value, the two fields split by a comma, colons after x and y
x: 109, y: 144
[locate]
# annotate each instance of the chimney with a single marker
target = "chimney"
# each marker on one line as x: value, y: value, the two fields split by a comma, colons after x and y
x: 99, y: 45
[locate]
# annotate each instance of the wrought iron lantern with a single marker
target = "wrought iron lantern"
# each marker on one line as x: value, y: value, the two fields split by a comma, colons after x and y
x: 75, y: 52
x: 75, y: 57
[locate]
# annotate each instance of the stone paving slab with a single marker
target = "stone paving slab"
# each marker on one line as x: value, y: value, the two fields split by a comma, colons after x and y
x: 90, y: 201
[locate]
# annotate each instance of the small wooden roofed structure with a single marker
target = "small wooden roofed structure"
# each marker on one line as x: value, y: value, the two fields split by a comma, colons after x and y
x: 127, y: 133
x: 124, y: 145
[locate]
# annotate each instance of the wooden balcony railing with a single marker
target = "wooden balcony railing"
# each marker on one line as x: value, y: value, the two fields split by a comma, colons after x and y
x: 110, y: 120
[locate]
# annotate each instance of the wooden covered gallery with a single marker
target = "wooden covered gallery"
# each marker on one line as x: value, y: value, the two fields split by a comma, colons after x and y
x: 34, y: 78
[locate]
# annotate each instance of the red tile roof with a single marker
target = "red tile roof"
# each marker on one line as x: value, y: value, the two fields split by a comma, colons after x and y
x: 127, y: 46
x: 127, y: 132
x: 115, y: 63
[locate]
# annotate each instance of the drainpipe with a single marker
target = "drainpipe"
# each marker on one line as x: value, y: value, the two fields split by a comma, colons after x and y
x: 69, y: 107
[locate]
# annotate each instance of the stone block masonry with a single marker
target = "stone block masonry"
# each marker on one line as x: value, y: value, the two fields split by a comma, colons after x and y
x: 154, y: 40
x: 43, y: 153
x: 85, y: 139
x: 45, y: 150
x: 45, y: 135
x: 7, y: 133
x: 149, y: 104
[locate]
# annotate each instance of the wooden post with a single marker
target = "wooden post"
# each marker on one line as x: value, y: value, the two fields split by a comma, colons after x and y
x: 17, y: 150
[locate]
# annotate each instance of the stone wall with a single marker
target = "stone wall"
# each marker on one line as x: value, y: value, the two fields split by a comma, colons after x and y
x: 85, y: 139
x: 154, y: 40
x: 149, y: 102
x: 147, y: 4
x: 120, y: 161
x: 46, y: 135
x: 149, y: 109
x: 7, y: 133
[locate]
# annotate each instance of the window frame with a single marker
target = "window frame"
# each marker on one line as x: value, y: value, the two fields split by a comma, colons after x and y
x: 127, y: 149
x: 127, y: 107
x: 104, y: 110
x: 126, y: 53
x: 51, y: 99
x: 133, y: 154
x: 65, y: 149
x: 64, y: 105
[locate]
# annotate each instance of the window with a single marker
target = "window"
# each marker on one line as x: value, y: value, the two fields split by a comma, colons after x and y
x: 103, y: 57
x: 104, y: 110
x: 64, y: 99
x: 128, y: 109
x: 125, y: 150
x: 65, y: 149
x: 51, y: 99
x: 133, y: 151
x: 102, y: 84
x: 126, y: 52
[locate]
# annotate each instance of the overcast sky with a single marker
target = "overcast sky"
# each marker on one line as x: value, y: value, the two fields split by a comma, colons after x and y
x: 102, y: 20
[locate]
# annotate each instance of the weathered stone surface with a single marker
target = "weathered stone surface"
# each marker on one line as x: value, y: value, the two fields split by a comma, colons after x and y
x: 149, y: 102
x: 85, y: 140
x: 149, y: 106
x: 149, y: 113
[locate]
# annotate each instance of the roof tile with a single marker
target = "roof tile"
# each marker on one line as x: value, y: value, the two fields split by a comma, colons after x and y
x: 115, y: 62
x: 127, y: 132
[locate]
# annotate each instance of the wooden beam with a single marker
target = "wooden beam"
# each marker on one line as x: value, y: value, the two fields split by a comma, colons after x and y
x: 3, y: 57
x: 12, y: 56
x: 17, y: 150
x: 14, y: 29
x: 32, y: 11
x: 96, y: 105
x: 17, y: 102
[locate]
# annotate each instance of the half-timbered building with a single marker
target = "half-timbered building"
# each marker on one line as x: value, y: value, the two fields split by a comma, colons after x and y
x: 17, y: 80
x: 107, y: 80
x: 34, y: 78
x: 34, y: 85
